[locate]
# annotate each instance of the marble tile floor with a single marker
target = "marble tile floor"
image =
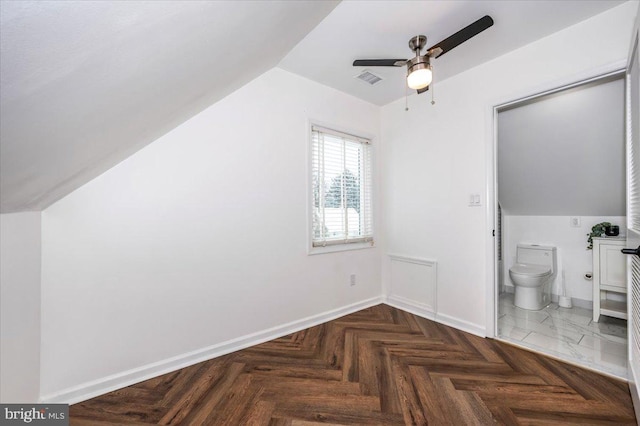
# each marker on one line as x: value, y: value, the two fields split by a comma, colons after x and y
x: 567, y: 334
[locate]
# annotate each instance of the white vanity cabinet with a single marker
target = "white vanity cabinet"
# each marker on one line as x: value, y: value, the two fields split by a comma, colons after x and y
x: 609, y: 277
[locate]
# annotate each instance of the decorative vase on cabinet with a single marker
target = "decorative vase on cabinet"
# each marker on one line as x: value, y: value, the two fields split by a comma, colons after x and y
x: 609, y: 278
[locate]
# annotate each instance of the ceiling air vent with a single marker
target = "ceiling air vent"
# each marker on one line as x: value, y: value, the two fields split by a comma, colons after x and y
x: 368, y: 77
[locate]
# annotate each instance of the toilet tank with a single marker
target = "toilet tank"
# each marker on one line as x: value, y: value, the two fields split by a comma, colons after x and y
x: 534, y: 254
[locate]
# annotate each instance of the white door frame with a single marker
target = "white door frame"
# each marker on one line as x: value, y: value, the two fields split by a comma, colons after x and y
x: 491, y: 144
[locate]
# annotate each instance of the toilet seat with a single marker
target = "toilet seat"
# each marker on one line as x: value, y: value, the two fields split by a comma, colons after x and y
x: 530, y: 270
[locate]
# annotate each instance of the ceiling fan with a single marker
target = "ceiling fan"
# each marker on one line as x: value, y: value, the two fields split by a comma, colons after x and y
x: 419, y: 73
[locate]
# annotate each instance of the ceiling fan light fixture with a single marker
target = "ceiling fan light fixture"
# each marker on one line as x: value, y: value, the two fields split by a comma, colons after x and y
x: 419, y: 72
x: 419, y: 76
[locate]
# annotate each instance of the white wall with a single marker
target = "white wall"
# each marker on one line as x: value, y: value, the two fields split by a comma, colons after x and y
x: 573, y: 257
x: 20, y: 307
x: 435, y: 156
x: 198, y: 239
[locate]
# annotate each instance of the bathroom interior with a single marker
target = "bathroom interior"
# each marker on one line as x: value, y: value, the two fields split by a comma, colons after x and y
x: 561, y: 179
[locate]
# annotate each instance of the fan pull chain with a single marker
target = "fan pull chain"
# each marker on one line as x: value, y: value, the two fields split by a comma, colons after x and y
x: 433, y: 102
x: 406, y: 98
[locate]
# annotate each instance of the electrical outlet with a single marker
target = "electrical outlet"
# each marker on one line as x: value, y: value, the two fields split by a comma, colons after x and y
x: 352, y: 279
x: 575, y: 222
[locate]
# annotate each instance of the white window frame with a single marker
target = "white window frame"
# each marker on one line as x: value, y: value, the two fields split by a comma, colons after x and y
x: 367, y: 241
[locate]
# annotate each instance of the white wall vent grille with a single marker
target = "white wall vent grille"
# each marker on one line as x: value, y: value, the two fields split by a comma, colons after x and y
x: 368, y: 77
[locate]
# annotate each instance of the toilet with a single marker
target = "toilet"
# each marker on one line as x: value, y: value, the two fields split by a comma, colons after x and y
x: 532, y: 275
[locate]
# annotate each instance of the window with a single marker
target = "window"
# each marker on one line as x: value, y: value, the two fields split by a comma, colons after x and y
x: 341, y: 185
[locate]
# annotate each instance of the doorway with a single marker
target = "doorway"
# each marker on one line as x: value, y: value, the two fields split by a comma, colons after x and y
x: 560, y: 171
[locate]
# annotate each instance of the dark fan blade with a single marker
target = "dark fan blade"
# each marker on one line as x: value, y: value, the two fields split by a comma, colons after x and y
x: 464, y: 34
x: 379, y: 62
x: 424, y: 89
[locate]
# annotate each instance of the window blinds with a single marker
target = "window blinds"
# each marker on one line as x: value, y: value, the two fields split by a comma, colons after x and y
x: 341, y: 185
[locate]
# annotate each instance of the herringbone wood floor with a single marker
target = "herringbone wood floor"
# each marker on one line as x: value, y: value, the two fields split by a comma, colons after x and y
x: 379, y: 366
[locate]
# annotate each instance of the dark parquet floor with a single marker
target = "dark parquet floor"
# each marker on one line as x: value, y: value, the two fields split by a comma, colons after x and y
x: 379, y: 366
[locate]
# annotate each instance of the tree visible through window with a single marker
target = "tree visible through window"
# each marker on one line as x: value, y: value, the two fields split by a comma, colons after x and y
x: 349, y: 185
x: 341, y: 179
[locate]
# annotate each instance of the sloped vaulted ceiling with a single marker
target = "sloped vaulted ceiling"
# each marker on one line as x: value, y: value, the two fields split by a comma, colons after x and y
x: 87, y: 83
x: 563, y: 154
x: 84, y: 84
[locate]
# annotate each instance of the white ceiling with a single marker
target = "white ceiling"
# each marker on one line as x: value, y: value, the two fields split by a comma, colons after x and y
x: 85, y: 84
x: 382, y: 29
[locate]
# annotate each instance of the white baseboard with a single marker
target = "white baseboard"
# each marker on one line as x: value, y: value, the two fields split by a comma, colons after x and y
x: 120, y: 380
x: 424, y: 312
x: 578, y: 303
x: 107, y: 384
x: 467, y: 326
x: 410, y: 306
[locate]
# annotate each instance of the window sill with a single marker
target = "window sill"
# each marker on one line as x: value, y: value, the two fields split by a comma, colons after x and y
x: 340, y: 247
